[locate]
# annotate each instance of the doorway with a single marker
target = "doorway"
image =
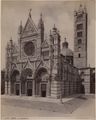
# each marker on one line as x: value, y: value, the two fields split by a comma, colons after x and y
x: 41, y: 82
x: 43, y: 90
x: 92, y: 83
x: 29, y: 88
x: 17, y: 89
x: 82, y: 89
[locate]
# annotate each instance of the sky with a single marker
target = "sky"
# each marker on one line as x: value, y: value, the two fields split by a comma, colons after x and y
x: 59, y: 13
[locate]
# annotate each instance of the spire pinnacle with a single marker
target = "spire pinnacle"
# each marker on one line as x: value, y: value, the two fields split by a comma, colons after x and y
x: 65, y: 39
x: 30, y: 12
x: 80, y: 7
x: 20, y: 28
x: 41, y: 22
x: 45, y: 36
x: 50, y: 32
x: 41, y: 15
x: 54, y: 25
x: 10, y: 38
x: 41, y: 18
x: 54, y: 28
x: 85, y: 8
x: 11, y: 41
x: 21, y: 22
x: 65, y: 43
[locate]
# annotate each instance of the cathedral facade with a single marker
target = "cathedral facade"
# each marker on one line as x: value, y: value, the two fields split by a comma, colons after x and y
x: 36, y: 67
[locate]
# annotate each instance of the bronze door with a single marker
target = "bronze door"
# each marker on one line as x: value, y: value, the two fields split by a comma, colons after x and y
x: 43, y: 90
x: 29, y: 88
x: 17, y: 89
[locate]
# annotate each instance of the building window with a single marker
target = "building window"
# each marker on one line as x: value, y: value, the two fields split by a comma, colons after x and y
x: 79, y: 55
x: 79, y: 34
x: 45, y: 54
x: 79, y: 26
x: 79, y: 17
x: 79, y: 41
x: 79, y: 48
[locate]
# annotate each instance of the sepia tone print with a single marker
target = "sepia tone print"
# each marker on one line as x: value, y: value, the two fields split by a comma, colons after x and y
x: 44, y: 74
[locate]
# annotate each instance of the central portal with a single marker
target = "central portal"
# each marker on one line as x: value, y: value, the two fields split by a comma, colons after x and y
x: 43, y: 90
x: 41, y: 82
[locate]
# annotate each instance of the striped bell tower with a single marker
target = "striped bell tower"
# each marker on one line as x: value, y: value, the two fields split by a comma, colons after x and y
x: 80, y: 38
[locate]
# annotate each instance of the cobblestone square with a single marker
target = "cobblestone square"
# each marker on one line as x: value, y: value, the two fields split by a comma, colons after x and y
x: 77, y: 107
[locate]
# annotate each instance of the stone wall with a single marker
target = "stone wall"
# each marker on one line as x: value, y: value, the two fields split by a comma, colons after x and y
x: 70, y: 78
x: 86, y: 79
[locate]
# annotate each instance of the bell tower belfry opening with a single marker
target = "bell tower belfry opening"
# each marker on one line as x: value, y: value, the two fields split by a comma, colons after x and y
x: 80, y: 38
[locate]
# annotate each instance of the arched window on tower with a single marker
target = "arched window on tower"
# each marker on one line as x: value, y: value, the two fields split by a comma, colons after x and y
x: 79, y: 26
x: 79, y: 34
x: 79, y: 17
x: 79, y: 41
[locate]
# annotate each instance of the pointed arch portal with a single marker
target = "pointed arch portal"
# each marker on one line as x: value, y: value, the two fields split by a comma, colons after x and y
x: 15, y: 86
x: 26, y: 81
x: 41, y: 82
x: 25, y: 84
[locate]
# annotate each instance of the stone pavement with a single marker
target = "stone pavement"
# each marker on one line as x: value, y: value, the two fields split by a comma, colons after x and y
x: 42, y: 99
x: 82, y: 106
x: 68, y: 106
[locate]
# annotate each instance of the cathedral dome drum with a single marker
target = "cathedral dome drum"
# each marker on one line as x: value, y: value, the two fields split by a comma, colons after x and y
x: 65, y: 50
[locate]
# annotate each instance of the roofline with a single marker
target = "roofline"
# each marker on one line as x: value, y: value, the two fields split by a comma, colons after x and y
x: 87, y: 68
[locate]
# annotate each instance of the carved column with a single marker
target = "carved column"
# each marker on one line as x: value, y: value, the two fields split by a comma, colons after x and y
x: 6, y: 87
x: 33, y: 87
x: 26, y: 88
x: 20, y: 88
x: 9, y: 88
x: 49, y: 87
